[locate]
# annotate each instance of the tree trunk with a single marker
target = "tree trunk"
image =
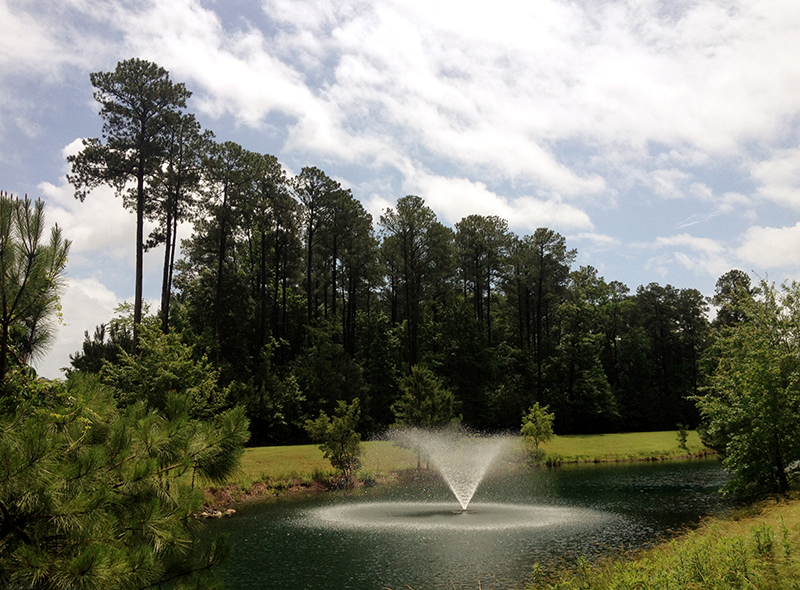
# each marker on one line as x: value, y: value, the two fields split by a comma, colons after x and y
x: 137, y: 299
x: 167, y: 272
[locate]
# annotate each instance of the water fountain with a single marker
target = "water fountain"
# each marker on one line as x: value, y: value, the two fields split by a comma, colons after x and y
x: 461, y: 460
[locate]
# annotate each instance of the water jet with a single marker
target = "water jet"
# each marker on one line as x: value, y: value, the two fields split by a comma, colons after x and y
x: 462, y: 460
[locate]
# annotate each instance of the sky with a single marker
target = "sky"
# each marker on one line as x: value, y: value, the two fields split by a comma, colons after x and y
x: 660, y: 138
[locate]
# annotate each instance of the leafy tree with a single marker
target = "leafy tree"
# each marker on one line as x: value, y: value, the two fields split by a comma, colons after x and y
x: 97, y: 497
x: 31, y: 275
x: 325, y: 372
x: 96, y: 350
x: 139, y: 104
x: 674, y: 327
x: 424, y: 403
x: 751, y: 406
x: 535, y: 285
x: 271, y: 228
x: 378, y: 354
x: 352, y: 257
x: 162, y: 366
x: 578, y: 389
x: 340, y: 443
x: 465, y: 361
x: 316, y: 193
x: 537, y: 428
x: 228, y: 182
x: 273, y: 399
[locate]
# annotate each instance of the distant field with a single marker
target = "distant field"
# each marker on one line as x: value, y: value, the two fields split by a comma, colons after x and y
x: 381, y: 457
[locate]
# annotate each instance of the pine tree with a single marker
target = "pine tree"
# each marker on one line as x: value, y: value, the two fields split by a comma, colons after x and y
x: 31, y: 273
x: 139, y: 105
x: 93, y: 496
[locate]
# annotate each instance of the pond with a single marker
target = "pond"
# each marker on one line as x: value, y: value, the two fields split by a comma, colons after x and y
x: 413, y: 534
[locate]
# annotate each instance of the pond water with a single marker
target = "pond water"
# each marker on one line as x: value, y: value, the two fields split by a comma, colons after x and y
x: 413, y: 535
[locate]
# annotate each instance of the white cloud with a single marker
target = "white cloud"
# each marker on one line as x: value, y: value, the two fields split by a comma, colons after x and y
x: 706, y: 245
x: 455, y: 198
x: 98, y: 225
x: 779, y: 177
x: 597, y: 240
x: 771, y: 247
x: 491, y: 91
x: 32, y: 42
x: 570, y: 107
x: 702, y: 256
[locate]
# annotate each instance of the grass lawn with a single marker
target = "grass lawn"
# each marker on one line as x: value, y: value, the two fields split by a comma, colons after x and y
x: 582, y: 448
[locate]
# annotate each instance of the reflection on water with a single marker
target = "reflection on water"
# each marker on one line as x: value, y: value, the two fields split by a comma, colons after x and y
x: 412, y: 534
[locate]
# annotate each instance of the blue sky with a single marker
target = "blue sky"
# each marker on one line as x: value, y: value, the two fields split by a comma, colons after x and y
x: 659, y: 137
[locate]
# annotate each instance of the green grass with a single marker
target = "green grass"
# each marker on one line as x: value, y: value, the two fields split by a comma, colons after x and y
x: 587, y: 448
x: 756, y: 548
x: 300, y: 462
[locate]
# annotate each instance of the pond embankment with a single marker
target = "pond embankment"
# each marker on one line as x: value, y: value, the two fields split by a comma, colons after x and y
x: 757, y: 546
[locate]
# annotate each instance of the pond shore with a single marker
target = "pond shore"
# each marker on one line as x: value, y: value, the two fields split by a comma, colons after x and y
x: 274, y: 472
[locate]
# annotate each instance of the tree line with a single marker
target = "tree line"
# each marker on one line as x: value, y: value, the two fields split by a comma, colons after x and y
x: 301, y: 299
x: 291, y: 315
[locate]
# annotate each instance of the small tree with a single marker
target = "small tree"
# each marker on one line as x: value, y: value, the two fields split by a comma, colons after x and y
x: 340, y: 443
x: 424, y: 403
x: 537, y: 428
x: 31, y: 275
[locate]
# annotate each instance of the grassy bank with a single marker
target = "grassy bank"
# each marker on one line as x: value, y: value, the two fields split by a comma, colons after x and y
x: 303, y: 461
x: 626, y: 446
x: 758, y: 547
x: 270, y: 471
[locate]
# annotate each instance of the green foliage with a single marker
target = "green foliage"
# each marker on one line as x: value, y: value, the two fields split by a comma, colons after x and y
x: 537, y: 428
x: 731, y: 290
x: 424, y: 401
x: 274, y: 400
x: 326, y: 373
x: 710, y: 559
x: 502, y: 320
x: 31, y: 276
x: 751, y: 406
x: 164, y: 365
x: 94, y: 496
x: 97, y: 349
x: 340, y: 443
